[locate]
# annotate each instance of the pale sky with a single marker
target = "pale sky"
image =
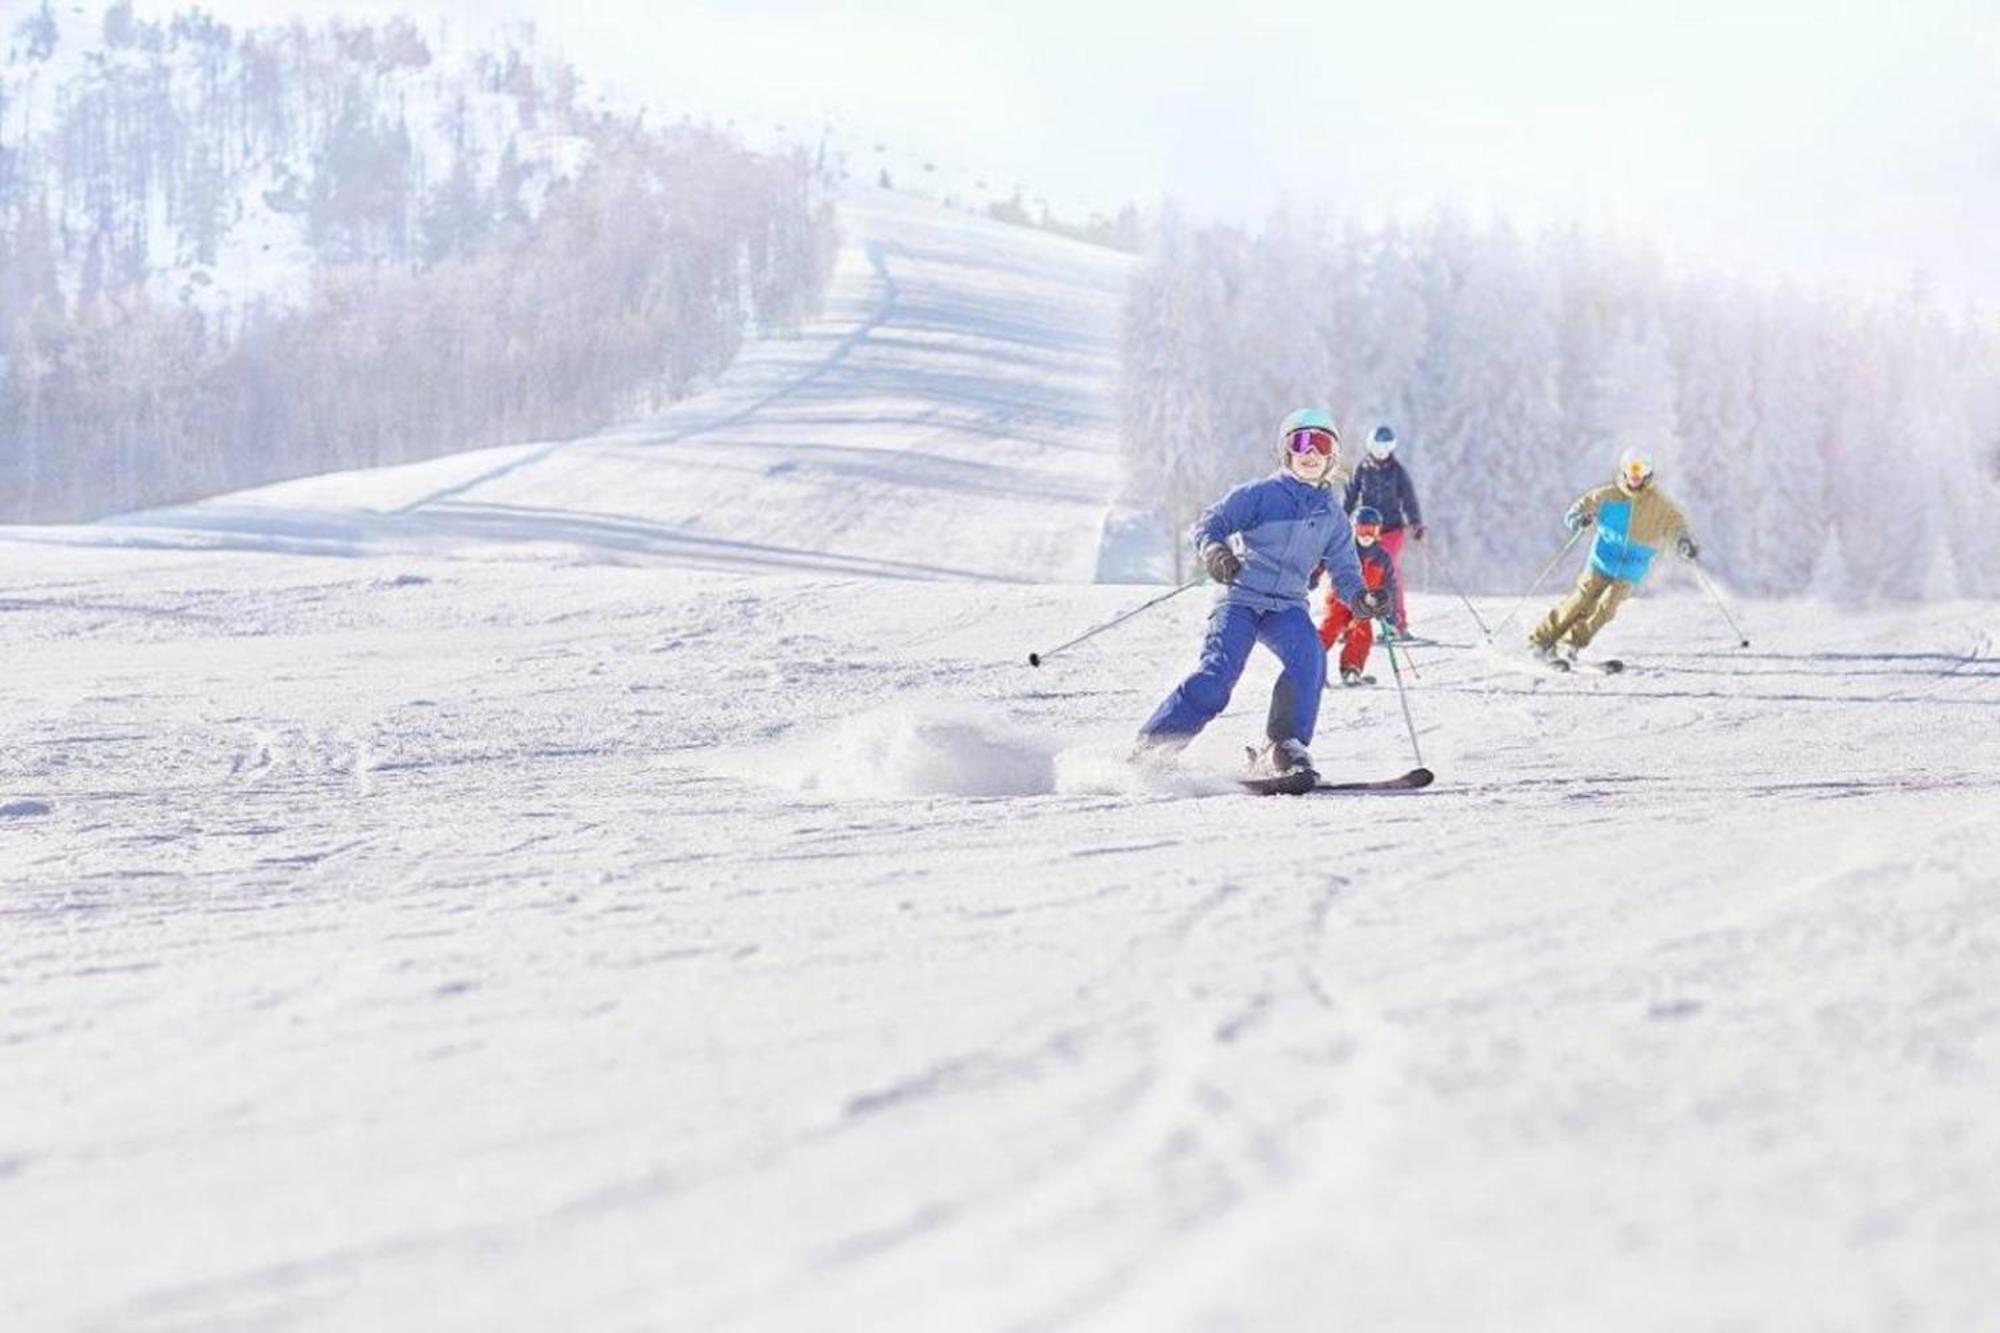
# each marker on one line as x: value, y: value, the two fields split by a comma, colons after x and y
x: 1837, y: 143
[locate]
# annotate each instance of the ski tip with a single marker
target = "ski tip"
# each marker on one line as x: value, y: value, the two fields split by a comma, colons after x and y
x: 1415, y: 780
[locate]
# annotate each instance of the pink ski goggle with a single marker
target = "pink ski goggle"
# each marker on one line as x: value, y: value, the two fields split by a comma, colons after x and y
x: 1311, y: 440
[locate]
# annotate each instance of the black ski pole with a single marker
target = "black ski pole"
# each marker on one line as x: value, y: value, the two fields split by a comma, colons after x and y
x: 1452, y: 583
x: 1547, y: 569
x: 1403, y: 697
x: 1742, y: 639
x: 1036, y: 659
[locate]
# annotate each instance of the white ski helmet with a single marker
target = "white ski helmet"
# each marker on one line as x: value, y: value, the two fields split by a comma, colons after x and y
x: 1382, y: 443
x: 1635, y: 469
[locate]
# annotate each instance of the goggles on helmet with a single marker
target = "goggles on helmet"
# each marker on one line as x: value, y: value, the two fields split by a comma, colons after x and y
x: 1312, y: 440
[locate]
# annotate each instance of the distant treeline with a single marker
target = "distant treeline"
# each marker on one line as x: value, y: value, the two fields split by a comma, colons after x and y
x: 227, y: 259
x: 1126, y: 231
x: 1846, y: 448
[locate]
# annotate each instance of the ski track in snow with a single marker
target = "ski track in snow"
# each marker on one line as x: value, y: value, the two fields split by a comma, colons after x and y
x: 544, y: 913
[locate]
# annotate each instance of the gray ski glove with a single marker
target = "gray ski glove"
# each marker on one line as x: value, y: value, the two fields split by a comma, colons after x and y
x: 1576, y: 520
x: 1372, y: 604
x: 1222, y: 563
x: 1687, y: 548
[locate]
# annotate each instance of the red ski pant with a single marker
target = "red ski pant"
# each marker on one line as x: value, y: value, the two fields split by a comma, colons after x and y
x: 1392, y: 544
x: 1356, y: 636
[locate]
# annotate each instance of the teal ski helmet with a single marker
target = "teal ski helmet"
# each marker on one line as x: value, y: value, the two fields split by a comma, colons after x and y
x: 1306, y: 418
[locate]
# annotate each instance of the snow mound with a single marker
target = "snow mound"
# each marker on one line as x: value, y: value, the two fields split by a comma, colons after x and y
x: 929, y: 749
x: 1105, y: 770
x: 945, y: 748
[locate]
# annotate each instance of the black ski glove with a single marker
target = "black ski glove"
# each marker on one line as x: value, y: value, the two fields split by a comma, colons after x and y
x: 1416, y: 532
x: 1222, y: 563
x: 1687, y: 548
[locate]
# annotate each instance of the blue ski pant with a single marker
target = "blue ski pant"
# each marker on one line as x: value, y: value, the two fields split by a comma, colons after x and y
x: 1232, y: 628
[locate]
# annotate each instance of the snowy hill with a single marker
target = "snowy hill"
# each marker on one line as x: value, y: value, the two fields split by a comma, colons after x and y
x: 947, y: 418
x: 191, y: 163
x: 229, y: 258
x: 637, y: 882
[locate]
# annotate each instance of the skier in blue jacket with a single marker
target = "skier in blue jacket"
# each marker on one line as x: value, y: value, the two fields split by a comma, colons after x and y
x: 1287, y: 525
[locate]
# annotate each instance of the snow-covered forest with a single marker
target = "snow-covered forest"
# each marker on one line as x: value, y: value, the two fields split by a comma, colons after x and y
x: 230, y: 257
x: 1819, y: 443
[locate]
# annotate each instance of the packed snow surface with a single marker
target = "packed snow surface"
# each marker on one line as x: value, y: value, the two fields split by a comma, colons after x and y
x: 640, y: 883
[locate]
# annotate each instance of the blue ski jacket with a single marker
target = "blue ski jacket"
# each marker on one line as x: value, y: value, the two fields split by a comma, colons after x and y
x: 1631, y: 529
x: 1385, y: 486
x: 1289, y: 528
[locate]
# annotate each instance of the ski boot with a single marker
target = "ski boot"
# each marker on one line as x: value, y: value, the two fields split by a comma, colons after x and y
x: 1282, y: 768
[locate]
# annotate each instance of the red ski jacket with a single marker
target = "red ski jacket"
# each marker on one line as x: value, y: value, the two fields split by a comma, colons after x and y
x: 1377, y: 570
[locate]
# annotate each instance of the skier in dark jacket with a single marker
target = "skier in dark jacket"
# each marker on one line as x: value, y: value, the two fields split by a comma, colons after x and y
x: 1288, y: 526
x: 1382, y: 483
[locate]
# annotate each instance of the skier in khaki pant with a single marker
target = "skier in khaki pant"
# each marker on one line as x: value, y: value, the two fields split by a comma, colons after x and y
x: 1633, y: 522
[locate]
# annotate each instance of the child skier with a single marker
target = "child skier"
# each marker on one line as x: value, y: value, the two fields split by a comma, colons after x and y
x: 1383, y: 484
x: 1633, y: 520
x: 1356, y: 634
x: 1288, y: 526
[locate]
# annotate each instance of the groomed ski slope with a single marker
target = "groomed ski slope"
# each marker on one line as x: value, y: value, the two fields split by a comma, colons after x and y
x: 948, y: 420
x: 640, y: 884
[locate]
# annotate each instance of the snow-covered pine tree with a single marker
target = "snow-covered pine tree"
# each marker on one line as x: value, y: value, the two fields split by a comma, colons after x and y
x: 1802, y: 433
x: 342, y: 246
